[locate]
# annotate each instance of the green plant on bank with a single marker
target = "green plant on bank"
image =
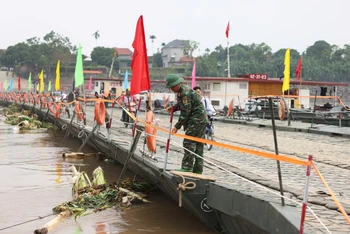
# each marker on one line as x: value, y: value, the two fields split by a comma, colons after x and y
x: 10, y: 110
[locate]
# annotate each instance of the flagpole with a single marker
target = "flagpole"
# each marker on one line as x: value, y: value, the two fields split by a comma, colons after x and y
x: 300, y: 77
x: 110, y: 72
x: 228, y: 59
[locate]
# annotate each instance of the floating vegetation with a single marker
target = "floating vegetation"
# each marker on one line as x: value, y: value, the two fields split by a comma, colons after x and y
x: 96, y: 196
x: 99, y: 195
x: 15, y: 116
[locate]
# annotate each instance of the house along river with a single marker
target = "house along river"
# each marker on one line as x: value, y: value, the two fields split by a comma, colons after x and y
x: 34, y: 178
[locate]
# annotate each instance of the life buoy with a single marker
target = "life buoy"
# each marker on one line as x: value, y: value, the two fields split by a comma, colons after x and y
x: 26, y: 98
x: 150, y: 132
x: 58, y: 110
x: 100, y: 112
x: 37, y: 99
x: 281, y: 109
x: 50, y: 105
x: 230, y: 108
x: 78, y: 110
x: 44, y: 102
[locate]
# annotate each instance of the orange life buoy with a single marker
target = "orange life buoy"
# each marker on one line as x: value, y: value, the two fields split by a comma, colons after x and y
x: 100, y: 112
x: 37, y: 99
x: 281, y: 109
x: 52, y: 110
x: 230, y: 108
x: 150, y: 132
x: 78, y: 110
x: 58, y: 110
x: 44, y: 102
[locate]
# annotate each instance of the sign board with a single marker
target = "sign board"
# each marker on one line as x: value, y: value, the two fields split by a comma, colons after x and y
x: 258, y: 76
x: 115, y: 84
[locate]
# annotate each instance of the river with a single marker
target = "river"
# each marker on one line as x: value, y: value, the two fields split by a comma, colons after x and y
x: 35, y: 178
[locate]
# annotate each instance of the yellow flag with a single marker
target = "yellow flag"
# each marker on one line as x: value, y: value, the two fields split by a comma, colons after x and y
x: 286, y: 72
x: 58, y: 76
x: 41, y: 78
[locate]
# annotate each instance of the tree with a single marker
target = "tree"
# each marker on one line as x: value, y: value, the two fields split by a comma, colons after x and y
x: 157, y: 60
x: 190, y: 47
x: 96, y: 35
x: 103, y: 56
x: 152, y: 37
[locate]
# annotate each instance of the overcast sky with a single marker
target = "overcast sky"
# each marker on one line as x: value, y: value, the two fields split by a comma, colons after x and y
x: 279, y: 23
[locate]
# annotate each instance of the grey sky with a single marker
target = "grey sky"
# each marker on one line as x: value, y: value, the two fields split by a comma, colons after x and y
x: 279, y: 23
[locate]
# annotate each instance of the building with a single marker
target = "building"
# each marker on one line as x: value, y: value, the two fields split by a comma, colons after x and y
x: 124, y: 57
x: 221, y: 90
x: 175, y: 53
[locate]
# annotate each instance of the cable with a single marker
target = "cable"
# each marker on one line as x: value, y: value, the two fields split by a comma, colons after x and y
x: 18, y: 224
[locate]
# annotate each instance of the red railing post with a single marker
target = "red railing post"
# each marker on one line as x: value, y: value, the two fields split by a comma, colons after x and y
x: 303, y: 210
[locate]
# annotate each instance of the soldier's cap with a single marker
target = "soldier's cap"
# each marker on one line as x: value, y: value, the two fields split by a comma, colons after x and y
x: 172, y: 80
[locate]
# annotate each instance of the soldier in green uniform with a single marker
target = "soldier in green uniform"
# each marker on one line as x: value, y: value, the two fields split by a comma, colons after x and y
x: 193, y: 118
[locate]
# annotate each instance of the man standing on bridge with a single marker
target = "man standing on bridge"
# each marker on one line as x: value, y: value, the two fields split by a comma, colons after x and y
x: 193, y: 118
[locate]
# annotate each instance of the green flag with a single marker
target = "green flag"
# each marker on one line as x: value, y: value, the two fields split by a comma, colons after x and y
x: 30, y: 82
x: 49, y: 88
x: 5, y: 85
x: 79, y: 74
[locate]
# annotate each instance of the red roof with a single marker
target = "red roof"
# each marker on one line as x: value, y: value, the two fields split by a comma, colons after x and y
x: 124, y: 51
x: 186, y: 59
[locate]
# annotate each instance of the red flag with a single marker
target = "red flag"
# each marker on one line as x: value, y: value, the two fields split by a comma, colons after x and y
x: 228, y: 29
x: 140, y: 80
x: 19, y: 83
x: 298, y: 69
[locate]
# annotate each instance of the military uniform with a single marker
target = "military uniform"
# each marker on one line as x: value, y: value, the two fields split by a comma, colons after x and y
x: 193, y: 118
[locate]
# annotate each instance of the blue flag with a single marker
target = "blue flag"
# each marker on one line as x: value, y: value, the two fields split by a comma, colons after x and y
x: 10, y: 83
x: 126, y: 81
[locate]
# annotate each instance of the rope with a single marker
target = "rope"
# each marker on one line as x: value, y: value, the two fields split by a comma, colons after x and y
x: 183, y: 186
x: 331, y: 193
x: 18, y: 224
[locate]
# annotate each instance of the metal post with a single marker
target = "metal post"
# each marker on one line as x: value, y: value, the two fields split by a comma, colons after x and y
x: 312, y: 121
x: 168, y: 140
x: 110, y: 122
x: 87, y: 138
x: 264, y: 110
x: 138, y: 110
x: 288, y: 110
x: 131, y: 152
x: 68, y: 128
x: 303, y: 210
x: 276, y: 150
x: 339, y: 114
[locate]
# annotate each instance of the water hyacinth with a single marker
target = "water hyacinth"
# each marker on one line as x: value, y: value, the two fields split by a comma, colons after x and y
x: 98, y: 177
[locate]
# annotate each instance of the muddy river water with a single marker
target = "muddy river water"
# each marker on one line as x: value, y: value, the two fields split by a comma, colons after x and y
x: 34, y: 178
